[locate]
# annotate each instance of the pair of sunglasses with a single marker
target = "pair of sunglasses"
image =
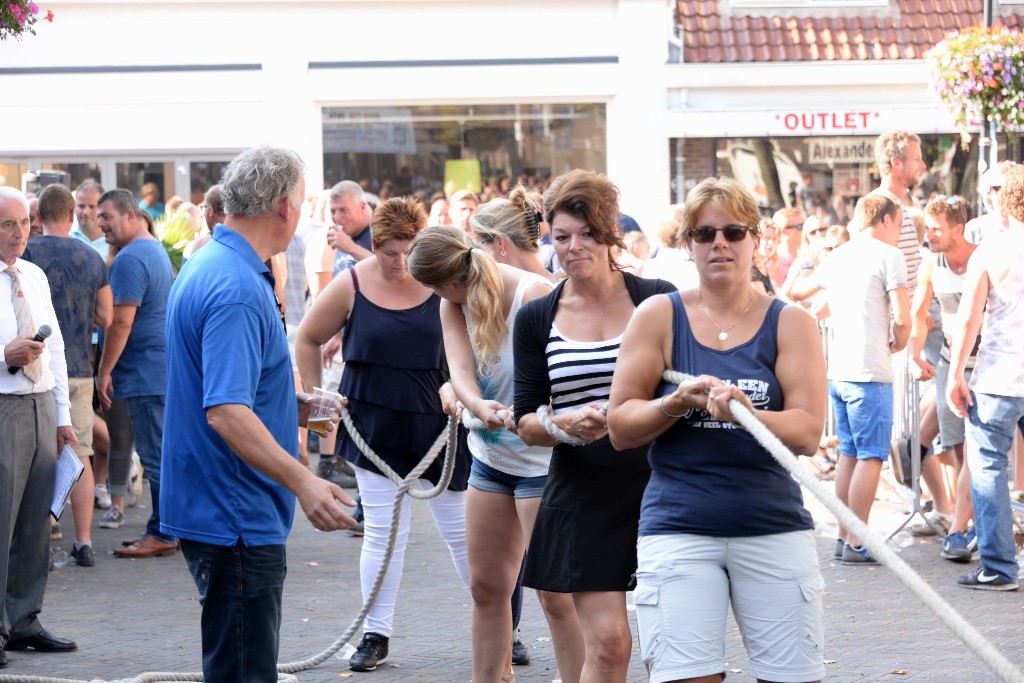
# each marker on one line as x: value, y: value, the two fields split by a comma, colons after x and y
x: 706, y: 234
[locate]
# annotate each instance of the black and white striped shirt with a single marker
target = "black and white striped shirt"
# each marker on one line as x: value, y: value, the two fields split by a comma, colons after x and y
x: 580, y: 371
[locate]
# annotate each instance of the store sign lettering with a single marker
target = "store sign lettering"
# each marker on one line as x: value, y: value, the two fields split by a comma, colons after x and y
x: 849, y: 150
x: 825, y: 120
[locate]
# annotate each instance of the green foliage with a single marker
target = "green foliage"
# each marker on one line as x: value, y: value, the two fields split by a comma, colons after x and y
x: 175, y: 232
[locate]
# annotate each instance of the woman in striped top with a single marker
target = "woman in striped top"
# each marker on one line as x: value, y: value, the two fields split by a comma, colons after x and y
x: 565, y: 346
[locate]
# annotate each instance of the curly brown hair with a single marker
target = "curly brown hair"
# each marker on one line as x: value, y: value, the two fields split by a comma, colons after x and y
x: 1011, y: 197
x: 954, y: 208
x: 590, y: 197
x: 892, y: 144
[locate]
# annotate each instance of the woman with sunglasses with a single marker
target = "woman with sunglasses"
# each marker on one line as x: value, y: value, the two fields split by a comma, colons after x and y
x: 722, y: 522
x: 565, y: 348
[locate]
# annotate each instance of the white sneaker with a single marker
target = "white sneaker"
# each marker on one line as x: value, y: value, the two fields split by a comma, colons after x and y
x: 102, y: 497
x: 134, y: 494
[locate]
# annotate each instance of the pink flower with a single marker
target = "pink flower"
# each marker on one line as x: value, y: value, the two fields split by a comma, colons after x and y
x: 17, y: 12
x: 33, y: 8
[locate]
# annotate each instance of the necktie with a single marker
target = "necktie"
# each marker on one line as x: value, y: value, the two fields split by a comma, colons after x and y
x: 26, y: 328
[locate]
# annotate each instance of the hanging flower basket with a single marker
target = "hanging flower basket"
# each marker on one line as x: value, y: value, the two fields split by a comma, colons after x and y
x: 979, y: 74
x: 17, y: 17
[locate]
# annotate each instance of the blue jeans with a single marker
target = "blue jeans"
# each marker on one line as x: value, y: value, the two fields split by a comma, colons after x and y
x: 991, y: 428
x: 240, y: 590
x: 147, y: 416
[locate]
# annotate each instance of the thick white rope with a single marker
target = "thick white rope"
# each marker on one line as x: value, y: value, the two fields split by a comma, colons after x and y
x: 448, y: 439
x: 447, y: 436
x: 556, y: 432
x: 471, y: 421
x: 974, y: 640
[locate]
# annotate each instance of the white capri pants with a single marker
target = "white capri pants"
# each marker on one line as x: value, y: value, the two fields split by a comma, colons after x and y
x: 378, y: 495
x: 685, y: 584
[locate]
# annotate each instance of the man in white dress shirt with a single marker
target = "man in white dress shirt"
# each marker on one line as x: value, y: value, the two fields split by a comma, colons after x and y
x: 36, y: 416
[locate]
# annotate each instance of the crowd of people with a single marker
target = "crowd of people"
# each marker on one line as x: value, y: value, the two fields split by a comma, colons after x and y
x: 544, y: 323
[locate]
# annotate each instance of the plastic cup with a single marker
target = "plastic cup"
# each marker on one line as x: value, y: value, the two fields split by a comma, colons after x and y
x: 59, y: 557
x: 321, y: 410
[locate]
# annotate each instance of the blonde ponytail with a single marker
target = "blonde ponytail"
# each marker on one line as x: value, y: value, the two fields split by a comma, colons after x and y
x: 443, y: 254
x: 485, y: 298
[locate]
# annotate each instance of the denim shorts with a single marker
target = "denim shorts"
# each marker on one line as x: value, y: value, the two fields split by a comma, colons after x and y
x: 686, y: 582
x: 863, y: 412
x: 483, y: 477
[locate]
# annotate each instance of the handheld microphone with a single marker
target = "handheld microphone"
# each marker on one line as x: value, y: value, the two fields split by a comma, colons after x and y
x: 42, y: 333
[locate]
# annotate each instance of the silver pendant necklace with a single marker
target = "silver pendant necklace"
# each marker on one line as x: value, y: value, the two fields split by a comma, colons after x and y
x: 723, y: 334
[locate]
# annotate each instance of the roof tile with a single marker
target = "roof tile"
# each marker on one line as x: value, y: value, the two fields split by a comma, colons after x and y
x: 763, y: 53
x: 915, y: 27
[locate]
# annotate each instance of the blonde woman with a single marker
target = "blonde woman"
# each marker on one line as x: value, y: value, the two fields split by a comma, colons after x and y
x: 509, y: 241
x: 507, y: 476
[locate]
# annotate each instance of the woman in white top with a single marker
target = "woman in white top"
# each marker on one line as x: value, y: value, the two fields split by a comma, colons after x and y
x: 480, y: 302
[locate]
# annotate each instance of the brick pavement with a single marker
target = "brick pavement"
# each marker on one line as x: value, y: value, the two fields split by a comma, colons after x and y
x: 130, y: 616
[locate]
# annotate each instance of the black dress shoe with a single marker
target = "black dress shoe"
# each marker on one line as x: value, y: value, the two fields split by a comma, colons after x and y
x: 44, y: 641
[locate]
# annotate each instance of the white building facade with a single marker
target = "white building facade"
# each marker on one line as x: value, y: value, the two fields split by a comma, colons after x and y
x: 132, y: 91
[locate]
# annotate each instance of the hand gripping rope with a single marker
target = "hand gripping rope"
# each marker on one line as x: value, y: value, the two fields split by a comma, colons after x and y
x: 556, y: 432
x: 447, y: 440
x: 471, y: 421
x: 974, y: 640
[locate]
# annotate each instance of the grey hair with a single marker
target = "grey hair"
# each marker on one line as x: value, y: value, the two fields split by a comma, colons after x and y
x: 258, y: 179
x: 347, y: 188
x: 14, y: 193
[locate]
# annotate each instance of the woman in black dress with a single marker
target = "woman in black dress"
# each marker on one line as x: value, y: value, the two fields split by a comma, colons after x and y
x: 565, y: 346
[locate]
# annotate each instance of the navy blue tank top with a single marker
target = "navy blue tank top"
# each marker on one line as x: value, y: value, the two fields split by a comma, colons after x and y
x: 712, y: 478
x: 394, y: 358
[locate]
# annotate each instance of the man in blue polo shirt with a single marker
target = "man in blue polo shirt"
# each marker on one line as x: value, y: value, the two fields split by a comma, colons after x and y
x: 231, y: 472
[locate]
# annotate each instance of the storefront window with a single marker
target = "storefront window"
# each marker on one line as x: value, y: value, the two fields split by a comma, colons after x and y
x: 831, y: 173
x: 823, y: 175
x: 401, y: 150
x: 132, y: 176
x: 204, y: 175
x: 10, y: 175
x: 79, y: 172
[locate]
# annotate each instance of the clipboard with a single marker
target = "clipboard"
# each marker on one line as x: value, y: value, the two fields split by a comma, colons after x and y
x: 69, y: 469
